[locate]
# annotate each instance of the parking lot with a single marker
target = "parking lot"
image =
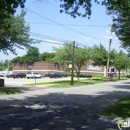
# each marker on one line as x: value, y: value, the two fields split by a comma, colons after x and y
x: 21, y: 81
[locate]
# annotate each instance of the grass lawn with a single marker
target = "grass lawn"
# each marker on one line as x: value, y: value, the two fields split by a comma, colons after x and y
x: 9, y: 91
x: 121, y: 109
x: 66, y: 83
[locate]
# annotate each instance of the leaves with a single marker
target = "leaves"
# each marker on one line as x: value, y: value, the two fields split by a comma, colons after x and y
x: 14, y: 34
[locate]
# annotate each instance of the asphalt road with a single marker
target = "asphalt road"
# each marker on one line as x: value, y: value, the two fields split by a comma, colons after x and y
x: 75, y: 108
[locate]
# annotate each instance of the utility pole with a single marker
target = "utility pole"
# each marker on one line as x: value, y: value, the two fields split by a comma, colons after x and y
x: 72, y: 73
x: 108, y: 60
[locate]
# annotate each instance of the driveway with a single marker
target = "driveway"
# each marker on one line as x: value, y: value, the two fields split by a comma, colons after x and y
x: 74, y: 108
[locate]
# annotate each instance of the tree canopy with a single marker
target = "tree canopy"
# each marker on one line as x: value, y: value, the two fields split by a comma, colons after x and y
x: 121, y: 62
x: 99, y: 55
x: 14, y: 34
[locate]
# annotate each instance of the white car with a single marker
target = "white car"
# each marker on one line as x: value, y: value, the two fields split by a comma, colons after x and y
x: 33, y: 75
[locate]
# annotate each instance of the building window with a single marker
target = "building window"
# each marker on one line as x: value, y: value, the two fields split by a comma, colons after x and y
x: 91, y: 67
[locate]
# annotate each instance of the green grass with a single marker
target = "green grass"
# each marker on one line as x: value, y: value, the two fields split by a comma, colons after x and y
x: 9, y: 91
x: 121, y: 109
x: 66, y: 83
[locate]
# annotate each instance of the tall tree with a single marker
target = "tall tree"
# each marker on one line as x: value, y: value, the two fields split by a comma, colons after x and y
x: 32, y: 55
x: 64, y: 54
x: 99, y: 55
x: 121, y: 62
x: 46, y: 56
x: 14, y: 33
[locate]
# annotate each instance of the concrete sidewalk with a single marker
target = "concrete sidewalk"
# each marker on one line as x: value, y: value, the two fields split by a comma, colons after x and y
x: 89, y: 100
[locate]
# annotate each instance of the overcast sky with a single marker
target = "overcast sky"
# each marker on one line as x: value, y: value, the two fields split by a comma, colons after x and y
x: 86, y: 32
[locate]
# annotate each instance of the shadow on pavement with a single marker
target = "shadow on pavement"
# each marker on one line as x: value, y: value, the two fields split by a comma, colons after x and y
x: 59, y: 111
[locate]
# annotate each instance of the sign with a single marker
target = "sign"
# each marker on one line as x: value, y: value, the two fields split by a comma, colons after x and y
x: 70, y: 66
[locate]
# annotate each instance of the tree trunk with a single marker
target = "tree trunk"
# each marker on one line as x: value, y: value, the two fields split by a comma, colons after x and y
x: 119, y: 73
x: 126, y: 73
x: 78, y: 78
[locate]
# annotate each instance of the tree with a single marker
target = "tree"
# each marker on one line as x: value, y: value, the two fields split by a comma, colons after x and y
x: 73, y: 7
x: 121, y: 25
x: 120, y: 61
x: 64, y: 54
x: 99, y: 55
x: 14, y: 33
x: 10, y: 6
x: 32, y: 55
x: 46, y: 56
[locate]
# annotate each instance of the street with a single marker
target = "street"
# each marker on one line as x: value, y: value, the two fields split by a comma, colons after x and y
x: 75, y: 108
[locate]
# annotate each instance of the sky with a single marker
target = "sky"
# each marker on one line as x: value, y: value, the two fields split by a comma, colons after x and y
x: 43, y: 16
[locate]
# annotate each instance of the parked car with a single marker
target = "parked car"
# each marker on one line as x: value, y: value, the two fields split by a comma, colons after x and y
x: 82, y: 75
x: 2, y: 74
x: 33, y: 75
x: 63, y: 75
x: 47, y: 75
x: 9, y: 75
x: 19, y: 75
x: 42, y: 75
x: 88, y: 75
x: 55, y: 75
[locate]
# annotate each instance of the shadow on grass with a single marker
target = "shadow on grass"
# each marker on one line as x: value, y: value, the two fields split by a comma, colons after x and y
x: 59, y: 111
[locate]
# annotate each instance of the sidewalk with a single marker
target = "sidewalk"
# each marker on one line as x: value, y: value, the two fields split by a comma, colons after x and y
x: 75, y: 108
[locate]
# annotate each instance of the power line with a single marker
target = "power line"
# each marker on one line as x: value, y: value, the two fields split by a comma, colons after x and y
x: 61, y: 24
x: 48, y: 37
x: 70, y: 24
x: 50, y: 42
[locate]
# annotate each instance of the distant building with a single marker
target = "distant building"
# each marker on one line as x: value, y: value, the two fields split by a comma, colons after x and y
x: 48, y: 67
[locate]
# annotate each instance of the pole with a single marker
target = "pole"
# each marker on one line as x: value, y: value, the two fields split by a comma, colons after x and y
x: 108, y: 60
x: 72, y: 73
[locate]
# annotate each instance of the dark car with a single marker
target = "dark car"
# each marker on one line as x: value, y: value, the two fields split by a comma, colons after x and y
x: 9, y: 75
x: 63, y: 75
x: 82, y: 75
x: 55, y: 75
x: 19, y: 75
x: 88, y: 76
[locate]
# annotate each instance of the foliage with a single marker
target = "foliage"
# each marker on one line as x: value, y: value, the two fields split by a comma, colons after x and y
x: 99, y: 55
x: 31, y: 56
x: 46, y: 56
x: 7, y: 64
x: 83, y: 7
x: 10, y: 5
x: 64, y: 54
x: 14, y: 33
x: 121, y: 62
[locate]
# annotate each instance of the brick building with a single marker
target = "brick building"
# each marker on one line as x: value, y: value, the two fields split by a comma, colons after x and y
x: 48, y: 67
